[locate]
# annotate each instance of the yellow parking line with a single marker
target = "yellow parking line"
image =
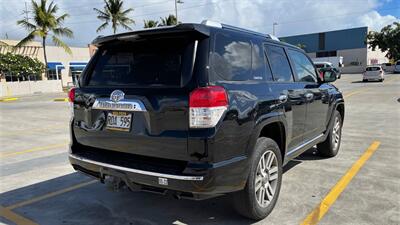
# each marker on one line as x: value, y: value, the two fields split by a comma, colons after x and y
x: 15, y: 218
x: 354, y: 93
x: 8, y: 99
x: 61, y: 100
x: 316, y: 215
x: 51, y: 194
x: 42, y: 148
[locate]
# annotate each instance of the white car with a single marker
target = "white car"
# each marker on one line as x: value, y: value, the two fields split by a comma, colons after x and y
x: 373, y: 73
x: 397, y: 67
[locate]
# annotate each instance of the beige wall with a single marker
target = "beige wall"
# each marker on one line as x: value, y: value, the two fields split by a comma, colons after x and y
x: 376, y: 57
x: 353, y: 55
x: 29, y: 87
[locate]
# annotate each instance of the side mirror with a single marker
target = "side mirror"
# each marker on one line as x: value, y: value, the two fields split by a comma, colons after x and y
x: 328, y: 75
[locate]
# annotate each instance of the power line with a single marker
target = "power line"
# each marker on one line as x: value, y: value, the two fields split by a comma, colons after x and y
x: 136, y: 7
x: 158, y: 12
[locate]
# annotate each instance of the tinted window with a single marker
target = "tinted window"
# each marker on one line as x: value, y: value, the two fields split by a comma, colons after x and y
x: 231, y: 59
x: 260, y: 68
x: 373, y: 68
x: 398, y: 63
x: 157, y: 62
x: 279, y: 63
x: 303, y: 66
x: 319, y: 65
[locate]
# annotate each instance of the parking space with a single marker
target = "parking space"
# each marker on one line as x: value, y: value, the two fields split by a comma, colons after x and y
x: 38, y: 186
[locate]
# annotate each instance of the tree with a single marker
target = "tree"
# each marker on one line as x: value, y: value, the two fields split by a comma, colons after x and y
x: 168, y: 21
x: 45, y: 23
x: 114, y: 13
x: 302, y: 46
x: 387, y: 40
x: 150, y: 23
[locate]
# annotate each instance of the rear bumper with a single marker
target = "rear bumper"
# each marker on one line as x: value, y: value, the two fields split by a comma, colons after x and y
x: 373, y: 77
x: 211, y: 180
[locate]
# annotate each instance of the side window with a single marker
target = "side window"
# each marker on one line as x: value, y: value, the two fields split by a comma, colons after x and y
x: 279, y: 63
x: 259, y: 65
x: 231, y: 58
x: 303, y: 66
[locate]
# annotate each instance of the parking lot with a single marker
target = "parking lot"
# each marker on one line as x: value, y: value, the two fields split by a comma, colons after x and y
x: 38, y: 185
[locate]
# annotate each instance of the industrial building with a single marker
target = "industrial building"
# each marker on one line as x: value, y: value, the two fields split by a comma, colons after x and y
x: 348, y: 43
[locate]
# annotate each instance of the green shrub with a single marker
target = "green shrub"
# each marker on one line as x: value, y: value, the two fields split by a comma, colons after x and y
x: 21, y: 67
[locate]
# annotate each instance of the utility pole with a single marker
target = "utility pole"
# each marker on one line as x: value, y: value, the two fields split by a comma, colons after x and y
x: 176, y: 9
x: 273, y: 28
x: 26, y: 12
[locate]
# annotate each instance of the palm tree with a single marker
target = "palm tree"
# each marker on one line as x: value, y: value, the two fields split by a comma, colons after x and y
x: 45, y: 23
x: 113, y: 12
x: 168, y: 21
x: 150, y: 23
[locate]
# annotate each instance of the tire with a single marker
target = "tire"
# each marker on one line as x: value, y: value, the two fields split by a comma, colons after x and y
x: 380, y: 80
x: 330, y: 147
x: 245, y: 201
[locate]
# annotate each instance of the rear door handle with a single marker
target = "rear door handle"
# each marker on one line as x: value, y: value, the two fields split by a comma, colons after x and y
x: 282, y: 98
x: 309, y: 96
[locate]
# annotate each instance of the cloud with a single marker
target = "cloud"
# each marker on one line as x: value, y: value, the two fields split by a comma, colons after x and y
x: 293, y: 17
x: 376, y: 21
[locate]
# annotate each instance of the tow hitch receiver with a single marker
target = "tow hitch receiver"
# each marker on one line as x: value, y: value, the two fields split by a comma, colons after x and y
x: 114, y: 183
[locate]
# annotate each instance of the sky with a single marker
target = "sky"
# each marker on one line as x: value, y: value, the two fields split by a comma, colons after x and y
x: 293, y: 17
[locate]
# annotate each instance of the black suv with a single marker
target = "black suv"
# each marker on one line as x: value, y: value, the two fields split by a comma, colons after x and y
x: 201, y: 110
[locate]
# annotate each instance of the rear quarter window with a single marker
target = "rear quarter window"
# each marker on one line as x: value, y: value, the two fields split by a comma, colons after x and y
x: 231, y: 58
x: 236, y: 58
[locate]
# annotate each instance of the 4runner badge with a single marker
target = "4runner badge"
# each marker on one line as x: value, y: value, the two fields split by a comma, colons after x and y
x: 117, y: 95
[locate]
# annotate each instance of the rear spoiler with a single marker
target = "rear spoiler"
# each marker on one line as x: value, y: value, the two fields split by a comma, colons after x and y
x: 181, y: 28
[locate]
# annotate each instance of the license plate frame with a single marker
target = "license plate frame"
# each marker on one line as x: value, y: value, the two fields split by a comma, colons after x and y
x: 119, y: 121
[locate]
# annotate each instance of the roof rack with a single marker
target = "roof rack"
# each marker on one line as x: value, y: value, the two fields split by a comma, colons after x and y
x: 220, y: 25
x: 211, y: 23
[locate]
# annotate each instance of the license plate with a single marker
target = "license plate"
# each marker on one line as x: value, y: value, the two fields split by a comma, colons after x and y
x: 119, y: 121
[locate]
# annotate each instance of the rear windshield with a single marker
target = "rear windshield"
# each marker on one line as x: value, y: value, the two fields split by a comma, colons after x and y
x: 156, y: 62
x: 373, y: 68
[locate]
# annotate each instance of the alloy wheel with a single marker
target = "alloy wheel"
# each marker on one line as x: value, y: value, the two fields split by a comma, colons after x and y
x: 266, y: 178
x: 336, y: 133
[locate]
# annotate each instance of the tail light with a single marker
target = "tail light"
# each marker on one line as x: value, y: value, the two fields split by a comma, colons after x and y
x: 206, y: 106
x: 71, y: 95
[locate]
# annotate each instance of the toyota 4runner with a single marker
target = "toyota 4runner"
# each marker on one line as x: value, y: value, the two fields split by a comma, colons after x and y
x: 201, y: 110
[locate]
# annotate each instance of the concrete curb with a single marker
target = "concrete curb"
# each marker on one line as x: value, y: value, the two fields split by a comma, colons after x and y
x: 8, y: 99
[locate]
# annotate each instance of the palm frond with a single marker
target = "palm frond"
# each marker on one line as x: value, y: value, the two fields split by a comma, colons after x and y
x: 63, y: 31
x: 25, y: 40
x: 60, y: 43
x: 61, y: 18
x: 101, y: 13
x: 26, y: 24
x: 102, y: 27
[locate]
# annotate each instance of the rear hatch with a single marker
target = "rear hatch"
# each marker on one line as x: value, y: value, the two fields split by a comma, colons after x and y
x: 373, y: 71
x: 133, y: 96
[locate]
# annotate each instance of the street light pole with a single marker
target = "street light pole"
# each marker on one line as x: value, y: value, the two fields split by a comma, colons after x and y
x: 273, y: 28
x: 176, y: 9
